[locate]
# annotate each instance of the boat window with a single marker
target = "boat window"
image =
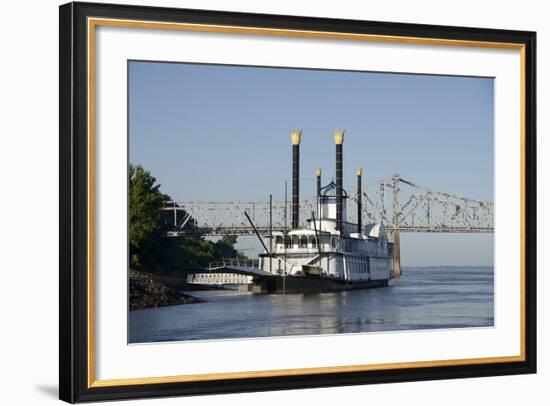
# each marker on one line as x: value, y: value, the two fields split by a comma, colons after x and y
x: 313, y: 242
x: 295, y: 241
x: 303, y: 242
x: 333, y: 242
x: 288, y: 241
x: 278, y: 240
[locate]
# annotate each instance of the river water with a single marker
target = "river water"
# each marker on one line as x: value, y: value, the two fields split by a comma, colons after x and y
x: 423, y: 298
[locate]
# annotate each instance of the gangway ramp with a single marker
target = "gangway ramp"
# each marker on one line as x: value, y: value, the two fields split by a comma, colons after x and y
x: 241, y: 267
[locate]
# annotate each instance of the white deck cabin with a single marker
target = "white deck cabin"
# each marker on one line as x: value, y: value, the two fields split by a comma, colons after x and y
x: 343, y: 254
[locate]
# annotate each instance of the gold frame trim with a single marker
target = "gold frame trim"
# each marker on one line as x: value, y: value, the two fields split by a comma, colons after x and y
x: 94, y: 22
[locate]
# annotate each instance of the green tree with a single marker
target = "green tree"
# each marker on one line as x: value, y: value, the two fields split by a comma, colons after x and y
x: 146, y: 211
x: 150, y: 249
x: 225, y: 247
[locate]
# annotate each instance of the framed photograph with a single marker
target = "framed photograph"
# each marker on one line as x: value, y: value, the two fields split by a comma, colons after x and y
x: 257, y: 202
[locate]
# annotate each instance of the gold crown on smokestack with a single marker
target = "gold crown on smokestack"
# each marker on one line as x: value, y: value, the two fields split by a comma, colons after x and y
x: 359, y: 171
x: 295, y: 136
x: 318, y: 172
x: 339, y: 136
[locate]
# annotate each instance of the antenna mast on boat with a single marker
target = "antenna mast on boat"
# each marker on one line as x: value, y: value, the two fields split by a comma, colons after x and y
x: 257, y: 234
x: 270, y: 232
x: 316, y: 235
x: 284, y: 242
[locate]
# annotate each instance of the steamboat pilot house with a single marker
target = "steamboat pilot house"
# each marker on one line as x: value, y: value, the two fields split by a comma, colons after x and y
x: 329, y: 253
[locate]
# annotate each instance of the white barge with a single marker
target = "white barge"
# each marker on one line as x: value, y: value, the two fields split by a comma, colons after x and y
x: 329, y: 253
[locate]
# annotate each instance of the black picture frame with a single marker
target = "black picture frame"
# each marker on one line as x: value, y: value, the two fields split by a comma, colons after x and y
x: 74, y: 199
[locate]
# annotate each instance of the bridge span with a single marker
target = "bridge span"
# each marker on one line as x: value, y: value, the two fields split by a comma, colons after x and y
x: 401, y: 205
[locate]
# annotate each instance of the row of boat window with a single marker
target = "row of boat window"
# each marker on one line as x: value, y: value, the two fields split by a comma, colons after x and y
x: 223, y: 277
x: 303, y: 241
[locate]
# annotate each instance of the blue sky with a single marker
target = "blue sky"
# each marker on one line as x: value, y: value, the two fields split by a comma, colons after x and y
x: 212, y: 132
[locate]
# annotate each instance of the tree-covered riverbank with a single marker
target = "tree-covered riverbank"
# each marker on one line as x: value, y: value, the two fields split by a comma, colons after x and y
x: 153, y: 253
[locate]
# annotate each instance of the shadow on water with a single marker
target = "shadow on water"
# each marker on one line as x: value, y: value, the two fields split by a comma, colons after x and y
x: 421, y: 299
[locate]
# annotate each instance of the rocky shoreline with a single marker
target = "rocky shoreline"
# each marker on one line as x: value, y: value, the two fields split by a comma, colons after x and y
x: 146, y: 292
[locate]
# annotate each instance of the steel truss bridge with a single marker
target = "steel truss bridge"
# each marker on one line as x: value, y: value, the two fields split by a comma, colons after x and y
x: 401, y: 205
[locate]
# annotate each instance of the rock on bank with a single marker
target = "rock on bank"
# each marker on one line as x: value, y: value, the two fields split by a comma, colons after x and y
x: 145, y: 292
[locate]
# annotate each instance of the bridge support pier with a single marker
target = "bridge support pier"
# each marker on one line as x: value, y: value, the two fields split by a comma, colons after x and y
x: 396, y: 254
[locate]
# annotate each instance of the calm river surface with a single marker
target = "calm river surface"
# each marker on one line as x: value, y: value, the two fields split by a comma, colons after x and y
x: 423, y: 298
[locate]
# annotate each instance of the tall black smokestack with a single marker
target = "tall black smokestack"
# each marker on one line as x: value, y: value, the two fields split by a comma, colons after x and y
x: 318, y: 173
x: 359, y: 201
x: 339, y: 140
x: 295, y: 136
